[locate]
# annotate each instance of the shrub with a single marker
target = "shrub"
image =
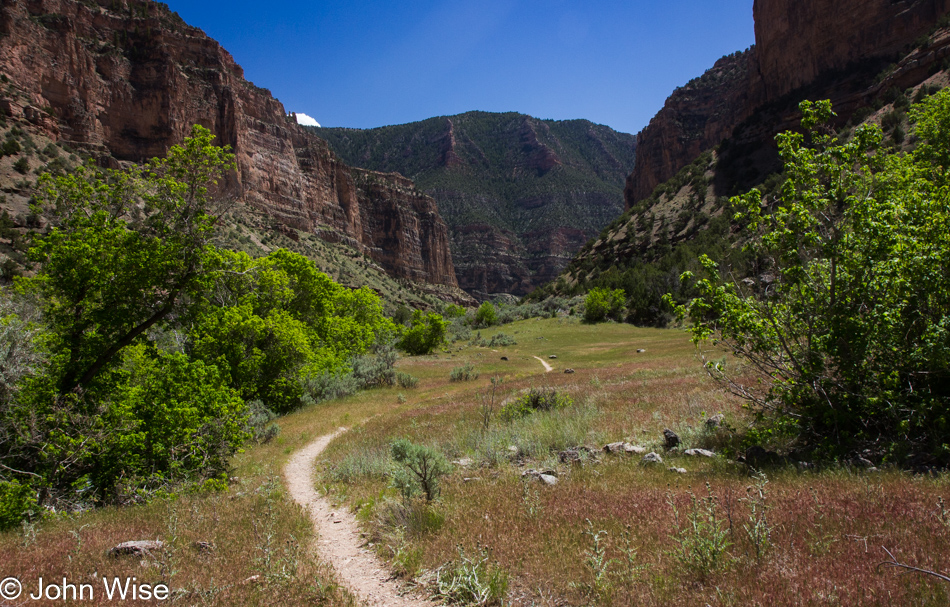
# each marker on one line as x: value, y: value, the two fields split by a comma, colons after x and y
x: 376, y: 371
x: 848, y: 346
x: 602, y: 304
x: 328, y: 386
x: 425, y: 334
x: 422, y: 468
x: 486, y: 315
x: 463, y: 373
x: 259, y: 422
x: 16, y: 501
x: 406, y: 381
x: 501, y: 339
x: 535, y: 399
x: 22, y: 165
x: 701, y: 544
x: 10, y: 147
x: 472, y: 581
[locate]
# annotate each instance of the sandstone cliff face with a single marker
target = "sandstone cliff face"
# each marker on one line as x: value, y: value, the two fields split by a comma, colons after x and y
x: 695, y: 118
x: 804, y: 49
x: 796, y: 41
x: 126, y: 79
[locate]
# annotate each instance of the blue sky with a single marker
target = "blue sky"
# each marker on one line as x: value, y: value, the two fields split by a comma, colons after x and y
x: 368, y: 63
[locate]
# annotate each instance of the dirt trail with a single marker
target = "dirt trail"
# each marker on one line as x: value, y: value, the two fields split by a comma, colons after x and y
x: 547, y: 368
x: 338, y: 536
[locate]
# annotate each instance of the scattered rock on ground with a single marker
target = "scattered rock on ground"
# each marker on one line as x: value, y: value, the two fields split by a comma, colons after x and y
x: 471, y: 479
x: 699, y: 453
x: 678, y: 470
x: 547, y: 479
x: 204, y: 546
x: 614, y: 448
x: 715, y: 421
x: 465, y: 462
x: 568, y: 370
x: 513, y: 450
x: 553, y: 356
x: 630, y: 448
x: 138, y: 548
x: 572, y: 455
x: 652, y: 458
x: 641, y: 351
x: 671, y: 439
x: 504, y: 358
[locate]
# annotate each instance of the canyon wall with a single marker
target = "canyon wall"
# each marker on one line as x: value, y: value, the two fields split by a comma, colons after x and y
x: 803, y: 49
x: 126, y: 79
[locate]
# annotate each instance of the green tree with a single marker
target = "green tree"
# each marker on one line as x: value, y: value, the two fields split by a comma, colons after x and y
x: 601, y: 304
x: 425, y: 334
x: 846, y: 337
x: 486, y: 315
x: 128, y: 250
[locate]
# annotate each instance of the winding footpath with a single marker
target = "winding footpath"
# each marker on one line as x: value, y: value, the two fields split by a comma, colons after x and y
x: 338, y: 537
x: 547, y: 368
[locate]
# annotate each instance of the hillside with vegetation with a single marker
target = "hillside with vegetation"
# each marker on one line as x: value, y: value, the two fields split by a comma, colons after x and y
x: 520, y: 195
x: 645, y: 250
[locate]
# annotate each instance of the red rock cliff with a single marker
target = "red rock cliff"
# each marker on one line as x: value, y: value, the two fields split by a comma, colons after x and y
x: 126, y: 79
x: 797, y: 42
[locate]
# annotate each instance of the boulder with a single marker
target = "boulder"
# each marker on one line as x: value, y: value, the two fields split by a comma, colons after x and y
x: 548, y: 479
x: 614, y: 448
x: 137, y: 548
x: 715, y: 421
x: 699, y: 453
x: 465, y: 462
x: 630, y: 448
x: 670, y: 438
x: 678, y: 470
x: 569, y: 371
x: 652, y: 458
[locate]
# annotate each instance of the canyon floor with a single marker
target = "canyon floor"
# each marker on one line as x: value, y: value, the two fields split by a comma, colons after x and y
x: 609, y: 531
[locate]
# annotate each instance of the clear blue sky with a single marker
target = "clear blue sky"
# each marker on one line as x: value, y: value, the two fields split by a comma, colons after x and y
x: 367, y: 63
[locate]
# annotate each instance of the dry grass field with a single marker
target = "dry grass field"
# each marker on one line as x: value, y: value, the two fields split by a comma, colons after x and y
x: 611, y: 531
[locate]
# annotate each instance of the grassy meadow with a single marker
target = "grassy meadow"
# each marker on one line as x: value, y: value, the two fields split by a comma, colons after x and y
x: 611, y: 531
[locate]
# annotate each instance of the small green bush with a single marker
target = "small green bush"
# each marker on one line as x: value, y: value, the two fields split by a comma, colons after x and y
x: 486, y: 315
x: 10, y: 147
x: 501, y: 339
x: 16, y: 501
x: 406, y: 381
x: 463, y: 373
x: 535, y: 399
x: 602, y: 304
x: 422, y: 468
x: 22, y: 165
x: 425, y: 334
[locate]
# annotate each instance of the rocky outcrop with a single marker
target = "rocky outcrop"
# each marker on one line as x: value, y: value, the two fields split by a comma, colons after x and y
x: 126, y: 79
x: 694, y: 118
x: 804, y: 49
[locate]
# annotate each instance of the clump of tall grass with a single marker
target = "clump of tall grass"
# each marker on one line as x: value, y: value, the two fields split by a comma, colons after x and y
x: 535, y: 399
x: 463, y: 373
x: 472, y: 580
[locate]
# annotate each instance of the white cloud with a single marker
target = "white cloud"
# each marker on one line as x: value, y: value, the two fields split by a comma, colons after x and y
x: 306, y: 120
